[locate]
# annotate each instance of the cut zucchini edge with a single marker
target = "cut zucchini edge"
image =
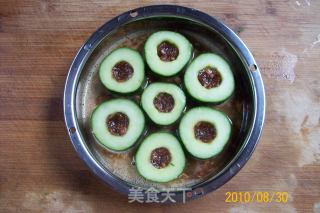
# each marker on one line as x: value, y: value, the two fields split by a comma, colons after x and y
x: 215, y: 95
x: 157, y: 117
x: 199, y: 149
x: 129, y: 55
x: 101, y: 133
x: 167, y: 68
x: 163, y: 175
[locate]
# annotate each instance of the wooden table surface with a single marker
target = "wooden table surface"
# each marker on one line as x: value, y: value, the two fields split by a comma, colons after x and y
x: 39, y: 169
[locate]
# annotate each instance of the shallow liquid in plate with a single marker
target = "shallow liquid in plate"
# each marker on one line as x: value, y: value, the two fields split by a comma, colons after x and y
x: 91, y: 92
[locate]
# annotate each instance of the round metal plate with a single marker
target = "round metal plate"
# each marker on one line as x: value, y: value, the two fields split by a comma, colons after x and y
x: 256, y: 91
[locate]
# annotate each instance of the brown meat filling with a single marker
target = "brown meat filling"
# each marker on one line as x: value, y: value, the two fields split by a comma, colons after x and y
x: 204, y: 131
x: 167, y: 51
x: 209, y: 77
x: 118, y: 123
x: 160, y: 157
x: 122, y: 71
x: 163, y: 102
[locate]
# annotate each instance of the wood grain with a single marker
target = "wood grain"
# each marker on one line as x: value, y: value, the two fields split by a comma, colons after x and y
x: 39, y: 170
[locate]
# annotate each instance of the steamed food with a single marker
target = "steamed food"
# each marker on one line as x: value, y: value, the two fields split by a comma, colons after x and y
x: 166, y: 108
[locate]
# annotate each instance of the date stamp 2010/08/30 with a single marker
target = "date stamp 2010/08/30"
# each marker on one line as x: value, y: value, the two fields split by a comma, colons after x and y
x: 256, y: 196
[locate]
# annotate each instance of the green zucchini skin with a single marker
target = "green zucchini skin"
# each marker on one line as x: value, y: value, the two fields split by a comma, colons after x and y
x: 202, y: 102
x: 128, y: 95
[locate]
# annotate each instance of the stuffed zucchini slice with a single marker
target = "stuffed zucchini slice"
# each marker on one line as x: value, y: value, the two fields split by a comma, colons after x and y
x: 209, y: 79
x: 204, y: 132
x: 160, y: 158
x: 122, y: 71
x: 117, y: 124
x: 163, y: 102
x: 167, y: 52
